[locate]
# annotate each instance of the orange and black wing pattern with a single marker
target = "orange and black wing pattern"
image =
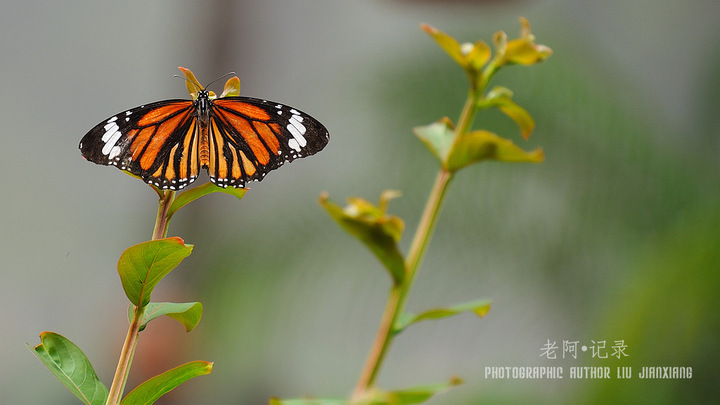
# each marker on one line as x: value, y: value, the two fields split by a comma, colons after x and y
x: 155, y: 142
x: 249, y: 137
x: 238, y: 139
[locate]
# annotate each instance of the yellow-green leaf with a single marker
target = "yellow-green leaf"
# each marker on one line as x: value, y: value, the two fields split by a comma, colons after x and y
x: 188, y: 196
x: 193, y: 86
x: 521, y: 117
x: 479, y: 308
x: 500, y: 40
x: 187, y: 313
x: 449, y: 44
x: 374, y: 228
x: 479, y: 55
x: 151, y: 390
x: 407, y: 396
x: 524, y: 50
x: 482, y: 145
x: 309, y: 401
x: 438, y: 137
x: 501, y: 98
x: 232, y: 87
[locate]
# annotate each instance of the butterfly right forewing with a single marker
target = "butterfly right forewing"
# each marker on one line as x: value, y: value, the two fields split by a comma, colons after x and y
x: 249, y: 137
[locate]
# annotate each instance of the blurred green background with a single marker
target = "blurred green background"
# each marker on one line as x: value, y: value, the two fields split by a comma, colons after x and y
x: 615, y: 237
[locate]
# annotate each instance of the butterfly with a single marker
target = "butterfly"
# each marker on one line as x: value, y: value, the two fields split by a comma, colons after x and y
x: 237, y: 139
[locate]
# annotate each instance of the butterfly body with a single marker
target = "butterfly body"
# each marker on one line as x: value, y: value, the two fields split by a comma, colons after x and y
x: 237, y: 139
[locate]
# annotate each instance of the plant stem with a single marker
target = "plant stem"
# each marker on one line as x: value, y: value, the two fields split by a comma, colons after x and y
x: 126, y: 355
x: 161, y: 222
x: 467, y: 116
x: 128, y: 350
x: 399, y: 293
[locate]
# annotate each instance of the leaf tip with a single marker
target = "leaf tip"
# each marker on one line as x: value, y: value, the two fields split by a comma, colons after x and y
x: 482, y: 311
x: 428, y: 28
x: 455, y: 380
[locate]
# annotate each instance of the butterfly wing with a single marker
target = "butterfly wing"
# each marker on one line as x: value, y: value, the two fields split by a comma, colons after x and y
x: 157, y: 142
x: 239, y: 140
x: 249, y: 137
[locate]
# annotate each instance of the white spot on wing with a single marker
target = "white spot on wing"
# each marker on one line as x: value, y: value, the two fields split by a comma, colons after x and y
x: 110, y: 137
x: 297, y: 129
x: 110, y: 129
x: 293, y: 144
x: 114, y: 152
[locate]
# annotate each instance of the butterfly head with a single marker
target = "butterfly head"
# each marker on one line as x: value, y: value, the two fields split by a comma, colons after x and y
x: 232, y: 86
x: 203, y: 105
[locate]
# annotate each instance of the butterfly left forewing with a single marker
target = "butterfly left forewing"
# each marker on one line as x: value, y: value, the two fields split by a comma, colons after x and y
x: 153, y: 142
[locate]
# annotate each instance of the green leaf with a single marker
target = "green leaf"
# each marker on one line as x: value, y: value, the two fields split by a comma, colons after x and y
x: 188, y: 196
x: 414, y: 395
x: 482, y: 145
x: 378, y: 231
x: 524, y: 50
x: 471, y: 57
x: 479, y: 55
x: 420, y: 394
x: 438, y: 137
x: 142, y: 266
x: 232, y: 87
x: 149, y: 391
x: 187, y: 313
x: 308, y: 401
x: 70, y: 365
x: 193, y: 86
x: 480, y: 308
x: 501, y: 97
x: 500, y: 40
x: 449, y: 44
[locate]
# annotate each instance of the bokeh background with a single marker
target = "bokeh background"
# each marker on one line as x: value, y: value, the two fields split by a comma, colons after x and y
x: 615, y: 237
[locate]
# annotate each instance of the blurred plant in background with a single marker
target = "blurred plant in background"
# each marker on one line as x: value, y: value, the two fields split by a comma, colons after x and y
x: 455, y: 147
x: 615, y: 188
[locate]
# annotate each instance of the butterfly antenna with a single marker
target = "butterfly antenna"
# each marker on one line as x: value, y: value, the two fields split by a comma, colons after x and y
x: 221, y: 77
x: 188, y: 80
x: 208, y: 85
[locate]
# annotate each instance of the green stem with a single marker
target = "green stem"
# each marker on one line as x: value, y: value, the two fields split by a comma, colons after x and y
x: 399, y: 293
x: 467, y: 116
x: 161, y: 222
x: 128, y: 350
x: 126, y: 355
